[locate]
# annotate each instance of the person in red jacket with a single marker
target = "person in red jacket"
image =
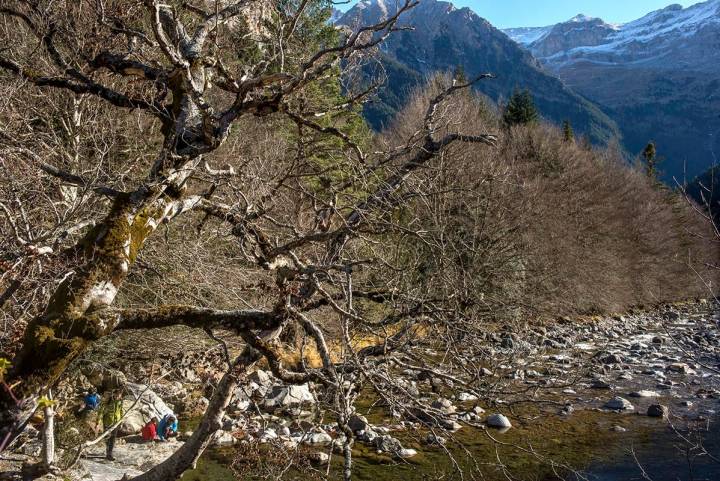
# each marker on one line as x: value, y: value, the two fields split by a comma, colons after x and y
x: 149, y: 431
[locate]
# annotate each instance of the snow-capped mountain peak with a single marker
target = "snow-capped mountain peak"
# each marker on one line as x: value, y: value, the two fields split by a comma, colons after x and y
x: 581, y: 17
x: 652, y: 39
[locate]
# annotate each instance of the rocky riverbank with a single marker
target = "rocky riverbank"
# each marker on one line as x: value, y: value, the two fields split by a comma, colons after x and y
x: 620, y: 374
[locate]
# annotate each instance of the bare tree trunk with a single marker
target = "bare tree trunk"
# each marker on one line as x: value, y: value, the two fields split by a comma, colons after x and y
x: 186, y: 457
x: 347, y: 454
x: 48, y: 435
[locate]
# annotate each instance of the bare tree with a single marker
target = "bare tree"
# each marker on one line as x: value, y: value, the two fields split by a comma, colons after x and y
x: 314, y: 229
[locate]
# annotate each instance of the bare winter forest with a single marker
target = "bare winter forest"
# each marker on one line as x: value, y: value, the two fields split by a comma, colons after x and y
x: 194, y: 182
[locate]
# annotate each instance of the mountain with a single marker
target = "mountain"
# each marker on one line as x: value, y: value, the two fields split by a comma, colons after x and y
x: 561, y: 33
x: 335, y: 15
x: 445, y: 38
x: 658, y: 77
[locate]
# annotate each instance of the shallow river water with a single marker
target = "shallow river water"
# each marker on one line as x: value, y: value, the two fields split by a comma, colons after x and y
x: 589, y: 443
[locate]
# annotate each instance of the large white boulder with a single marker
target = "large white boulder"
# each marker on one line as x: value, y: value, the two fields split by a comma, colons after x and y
x: 289, y: 396
x: 149, y: 405
x: 498, y: 421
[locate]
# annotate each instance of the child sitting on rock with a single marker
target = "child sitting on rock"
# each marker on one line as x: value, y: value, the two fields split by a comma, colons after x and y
x: 149, y: 431
x: 168, y: 427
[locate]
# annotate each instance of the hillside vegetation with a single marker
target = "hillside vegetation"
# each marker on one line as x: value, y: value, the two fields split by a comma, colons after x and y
x: 538, y: 226
x: 555, y: 226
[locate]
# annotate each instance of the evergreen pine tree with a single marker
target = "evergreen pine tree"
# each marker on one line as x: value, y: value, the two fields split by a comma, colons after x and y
x: 568, y: 133
x: 324, y: 151
x: 649, y: 157
x: 520, y: 109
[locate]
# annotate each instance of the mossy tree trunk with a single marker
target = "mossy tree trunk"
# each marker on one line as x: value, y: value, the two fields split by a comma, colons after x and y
x: 71, y: 321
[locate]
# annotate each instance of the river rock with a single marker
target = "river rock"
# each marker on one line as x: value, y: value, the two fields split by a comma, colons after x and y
x: 658, y: 411
x: 444, y: 405
x: 357, y: 423
x: 406, y: 453
x: 319, y: 439
x: 367, y: 435
x: 612, y: 359
x: 289, y: 396
x: 224, y: 438
x: 319, y: 458
x: 466, y: 396
x: 449, y: 424
x: 600, y: 384
x: 261, y: 378
x: 644, y: 393
x: 434, y: 439
x: 619, y: 404
x: 388, y: 444
x: 268, y: 435
x: 498, y: 421
x: 679, y: 367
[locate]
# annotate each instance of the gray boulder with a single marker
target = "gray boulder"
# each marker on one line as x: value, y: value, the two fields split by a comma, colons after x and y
x: 357, y: 423
x: 149, y: 405
x: 388, y: 444
x: 367, y: 435
x: 319, y: 439
x: 619, y: 404
x: 498, y: 421
x: 289, y: 396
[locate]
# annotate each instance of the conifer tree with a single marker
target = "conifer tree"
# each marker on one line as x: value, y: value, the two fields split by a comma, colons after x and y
x: 568, y: 133
x: 649, y: 158
x: 520, y: 109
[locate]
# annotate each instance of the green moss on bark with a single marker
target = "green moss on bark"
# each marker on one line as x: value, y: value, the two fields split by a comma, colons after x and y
x: 74, y: 316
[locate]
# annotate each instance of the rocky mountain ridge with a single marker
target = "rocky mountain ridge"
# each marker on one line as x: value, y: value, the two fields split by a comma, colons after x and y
x: 445, y: 38
x: 658, y: 77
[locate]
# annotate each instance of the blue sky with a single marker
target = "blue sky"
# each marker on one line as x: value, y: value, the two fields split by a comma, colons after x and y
x: 538, y: 13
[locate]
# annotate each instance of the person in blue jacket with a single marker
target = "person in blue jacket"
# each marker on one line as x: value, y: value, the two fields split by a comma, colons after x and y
x: 91, y: 400
x: 168, y: 427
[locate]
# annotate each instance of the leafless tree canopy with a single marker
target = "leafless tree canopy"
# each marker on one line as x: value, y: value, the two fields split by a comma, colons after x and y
x: 180, y: 76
